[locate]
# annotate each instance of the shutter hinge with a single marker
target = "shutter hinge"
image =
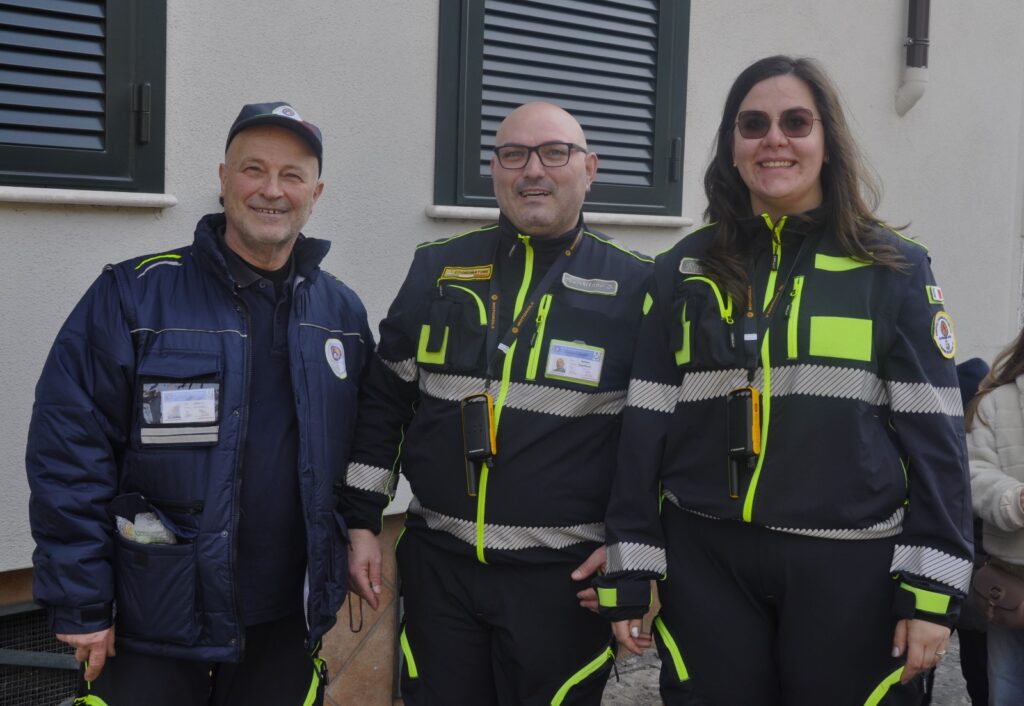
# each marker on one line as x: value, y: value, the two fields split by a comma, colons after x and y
x: 675, y: 160
x: 142, y: 106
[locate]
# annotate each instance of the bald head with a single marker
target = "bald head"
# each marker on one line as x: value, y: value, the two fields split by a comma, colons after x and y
x: 540, y: 200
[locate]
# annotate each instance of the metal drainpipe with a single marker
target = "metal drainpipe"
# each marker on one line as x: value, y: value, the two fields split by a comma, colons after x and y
x: 915, y: 73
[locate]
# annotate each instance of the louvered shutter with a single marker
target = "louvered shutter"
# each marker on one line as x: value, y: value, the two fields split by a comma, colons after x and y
x: 78, y: 80
x: 617, y: 65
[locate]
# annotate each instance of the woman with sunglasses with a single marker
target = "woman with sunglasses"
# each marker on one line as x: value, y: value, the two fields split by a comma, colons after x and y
x: 792, y: 460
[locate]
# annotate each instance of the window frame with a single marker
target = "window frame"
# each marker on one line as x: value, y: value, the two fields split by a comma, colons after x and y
x: 134, y: 114
x: 459, y: 87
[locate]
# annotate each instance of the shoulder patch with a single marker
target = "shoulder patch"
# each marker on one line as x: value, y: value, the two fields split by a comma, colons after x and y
x: 467, y: 273
x: 607, y: 287
x: 691, y: 266
x: 934, y: 294
x: 942, y: 334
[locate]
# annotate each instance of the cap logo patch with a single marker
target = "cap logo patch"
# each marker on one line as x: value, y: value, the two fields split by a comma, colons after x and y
x: 335, y: 354
x: 942, y: 333
x: 934, y: 294
x: 288, y: 112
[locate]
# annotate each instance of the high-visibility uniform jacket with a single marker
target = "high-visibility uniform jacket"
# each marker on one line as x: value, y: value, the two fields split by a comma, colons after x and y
x: 861, y: 429
x: 102, y: 430
x: 558, y: 393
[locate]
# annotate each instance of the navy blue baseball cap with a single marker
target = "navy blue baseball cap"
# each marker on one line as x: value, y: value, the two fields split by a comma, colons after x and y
x: 282, y: 115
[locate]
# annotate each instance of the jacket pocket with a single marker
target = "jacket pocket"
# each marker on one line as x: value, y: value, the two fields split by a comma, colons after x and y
x: 452, y: 330
x: 179, y: 399
x: 156, y: 591
x: 701, y: 328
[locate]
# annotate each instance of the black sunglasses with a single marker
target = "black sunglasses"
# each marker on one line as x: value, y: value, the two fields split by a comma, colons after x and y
x: 794, y: 122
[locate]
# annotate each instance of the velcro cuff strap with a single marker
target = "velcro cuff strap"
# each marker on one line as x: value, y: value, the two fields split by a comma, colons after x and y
x: 928, y: 601
x: 922, y: 604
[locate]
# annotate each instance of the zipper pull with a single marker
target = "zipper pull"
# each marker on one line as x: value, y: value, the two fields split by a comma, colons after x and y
x: 732, y: 338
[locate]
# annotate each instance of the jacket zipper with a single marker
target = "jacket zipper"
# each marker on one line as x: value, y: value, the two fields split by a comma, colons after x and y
x: 240, y: 458
x: 793, y: 316
x: 537, y: 340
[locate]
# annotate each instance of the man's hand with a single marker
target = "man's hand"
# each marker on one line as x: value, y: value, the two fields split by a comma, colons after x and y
x: 593, y: 563
x: 92, y: 648
x: 923, y: 642
x: 364, y: 559
x: 627, y: 632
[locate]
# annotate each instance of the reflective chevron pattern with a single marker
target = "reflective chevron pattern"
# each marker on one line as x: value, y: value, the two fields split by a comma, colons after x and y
x: 371, y: 478
x: 886, y: 528
x: 405, y: 369
x: 525, y: 396
x: 630, y: 556
x: 933, y: 564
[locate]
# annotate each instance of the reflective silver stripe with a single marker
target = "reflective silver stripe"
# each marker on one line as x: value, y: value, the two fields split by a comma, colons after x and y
x: 828, y: 381
x: 922, y: 398
x: 189, y: 330
x: 371, y: 478
x: 159, y: 263
x: 886, y: 528
x: 631, y: 556
x: 933, y: 564
x: 510, y: 537
x: 335, y: 331
x: 525, y: 396
x: 405, y: 369
x: 655, y: 396
x: 670, y: 496
x: 709, y: 384
x: 179, y: 435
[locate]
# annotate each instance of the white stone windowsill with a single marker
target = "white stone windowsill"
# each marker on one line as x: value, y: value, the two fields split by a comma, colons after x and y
x: 81, y: 197
x: 473, y: 213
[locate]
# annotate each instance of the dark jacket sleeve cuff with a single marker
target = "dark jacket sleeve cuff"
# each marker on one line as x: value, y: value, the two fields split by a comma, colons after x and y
x: 622, y: 599
x: 79, y: 621
x: 921, y: 599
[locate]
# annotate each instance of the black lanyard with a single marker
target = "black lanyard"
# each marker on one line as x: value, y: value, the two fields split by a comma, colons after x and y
x: 523, y: 323
x: 755, y: 327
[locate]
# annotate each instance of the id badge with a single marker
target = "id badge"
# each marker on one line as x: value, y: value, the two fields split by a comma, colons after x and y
x: 574, y: 361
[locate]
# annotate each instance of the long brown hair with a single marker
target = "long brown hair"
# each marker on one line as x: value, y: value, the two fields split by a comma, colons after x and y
x: 1007, y: 367
x: 850, y: 192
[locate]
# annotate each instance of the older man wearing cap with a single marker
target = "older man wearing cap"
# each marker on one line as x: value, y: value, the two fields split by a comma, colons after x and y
x: 190, y: 426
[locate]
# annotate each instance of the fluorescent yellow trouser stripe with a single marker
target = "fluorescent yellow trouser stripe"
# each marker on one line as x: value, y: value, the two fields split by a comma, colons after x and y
x: 538, y: 342
x: 314, y: 684
x: 683, y: 354
x: 841, y: 337
x: 479, y: 302
x: 425, y: 356
x: 410, y: 661
x: 607, y: 597
x: 830, y: 263
x: 928, y: 601
x: 883, y: 688
x: 673, y: 649
x: 594, y: 665
x: 794, y: 316
x: 168, y: 256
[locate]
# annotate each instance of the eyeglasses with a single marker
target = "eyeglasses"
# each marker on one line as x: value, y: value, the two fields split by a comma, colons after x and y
x: 794, y: 122
x: 551, y: 154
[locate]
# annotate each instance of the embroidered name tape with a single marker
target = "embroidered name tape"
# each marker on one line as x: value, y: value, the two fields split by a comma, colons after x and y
x: 607, y: 287
x: 467, y: 273
x: 690, y: 266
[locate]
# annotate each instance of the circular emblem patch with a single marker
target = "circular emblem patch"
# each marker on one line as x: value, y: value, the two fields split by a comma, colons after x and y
x: 942, y: 333
x: 335, y: 354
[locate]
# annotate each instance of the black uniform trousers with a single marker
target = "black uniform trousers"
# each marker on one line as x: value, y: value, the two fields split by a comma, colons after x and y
x: 758, y: 617
x: 276, y: 670
x: 486, y: 634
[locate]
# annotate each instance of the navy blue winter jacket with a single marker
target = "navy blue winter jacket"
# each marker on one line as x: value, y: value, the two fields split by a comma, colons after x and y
x: 111, y: 420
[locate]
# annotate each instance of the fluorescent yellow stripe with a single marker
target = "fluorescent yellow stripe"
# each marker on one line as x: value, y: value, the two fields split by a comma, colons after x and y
x: 670, y: 644
x: 830, y: 263
x: 314, y: 684
x: 168, y: 256
x: 410, y: 661
x: 479, y: 302
x: 648, y: 303
x: 591, y: 667
x: 542, y: 320
x: 641, y: 258
x: 724, y: 303
x: 434, y: 357
x: 883, y: 688
x: 524, y: 287
x: 607, y: 597
x: 794, y: 317
x: 90, y: 700
x: 456, y: 237
x: 928, y: 601
x: 683, y: 354
x: 841, y: 337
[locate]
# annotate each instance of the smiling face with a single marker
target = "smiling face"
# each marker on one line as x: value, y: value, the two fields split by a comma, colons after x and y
x: 542, y: 201
x: 269, y: 184
x: 782, y: 173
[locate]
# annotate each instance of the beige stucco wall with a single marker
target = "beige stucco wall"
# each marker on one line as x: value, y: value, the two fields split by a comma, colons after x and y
x: 366, y: 73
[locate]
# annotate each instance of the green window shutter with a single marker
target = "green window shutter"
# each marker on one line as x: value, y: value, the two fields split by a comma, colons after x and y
x: 618, y: 66
x: 82, y: 93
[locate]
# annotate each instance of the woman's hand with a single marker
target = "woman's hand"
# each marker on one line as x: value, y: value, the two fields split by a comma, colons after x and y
x: 923, y: 643
x: 627, y: 632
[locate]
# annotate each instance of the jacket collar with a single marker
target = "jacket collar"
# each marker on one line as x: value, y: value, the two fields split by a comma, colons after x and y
x: 755, y: 226
x: 307, y: 254
x: 509, y: 232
